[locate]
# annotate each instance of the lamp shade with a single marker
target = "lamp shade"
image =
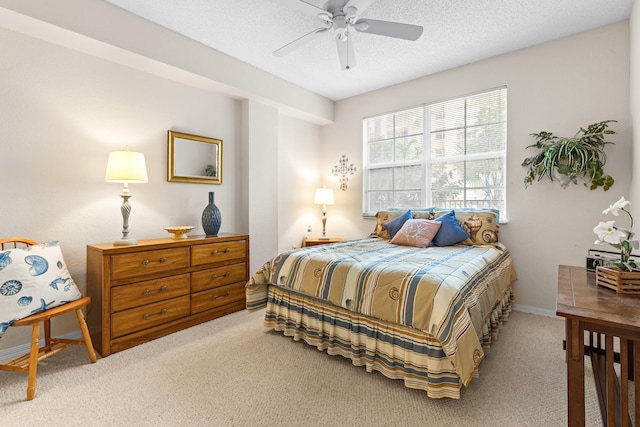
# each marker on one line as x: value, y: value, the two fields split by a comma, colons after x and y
x: 126, y: 166
x: 324, y: 196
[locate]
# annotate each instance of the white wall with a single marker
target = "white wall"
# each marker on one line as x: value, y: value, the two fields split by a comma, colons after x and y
x: 260, y: 135
x: 559, y: 87
x: 634, y: 24
x: 298, y: 160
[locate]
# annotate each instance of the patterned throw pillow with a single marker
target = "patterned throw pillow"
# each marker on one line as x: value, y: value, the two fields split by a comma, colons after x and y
x: 32, y: 280
x: 417, y: 232
x: 382, y: 217
x: 450, y: 232
x: 396, y: 224
x: 482, y: 226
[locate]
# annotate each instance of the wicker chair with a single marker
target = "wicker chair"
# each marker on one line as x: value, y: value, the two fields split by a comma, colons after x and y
x: 29, y: 362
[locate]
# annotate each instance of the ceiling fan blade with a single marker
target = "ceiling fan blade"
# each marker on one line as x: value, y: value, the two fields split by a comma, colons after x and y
x: 389, y: 29
x: 290, y: 47
x: 360, y: 5
x: 345, y: 52
x: 302, y: 6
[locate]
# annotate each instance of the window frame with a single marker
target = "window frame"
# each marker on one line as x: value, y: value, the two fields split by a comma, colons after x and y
x: 427, y: 161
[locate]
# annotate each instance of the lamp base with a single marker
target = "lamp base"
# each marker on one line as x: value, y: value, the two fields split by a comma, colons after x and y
x: 125, y: 242
x: 324, y: 238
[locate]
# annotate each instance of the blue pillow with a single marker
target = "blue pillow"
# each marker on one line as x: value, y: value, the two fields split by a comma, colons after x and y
x: 450, y: 231
x: 396, y: 223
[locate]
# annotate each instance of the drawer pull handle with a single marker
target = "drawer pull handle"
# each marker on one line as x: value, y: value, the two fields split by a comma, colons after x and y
x: 148, y: 292
x: 226, y: 294
x: 215, y: 277
x: 227, y: 274
x: 226, y: 251
x: 146, y: 261
x: 147, y: 316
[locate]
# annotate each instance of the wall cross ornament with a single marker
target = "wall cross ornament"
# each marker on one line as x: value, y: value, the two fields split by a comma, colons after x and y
x: 342, y: 171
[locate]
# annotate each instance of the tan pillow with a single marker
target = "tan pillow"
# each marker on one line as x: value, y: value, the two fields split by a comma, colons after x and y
x: 416, y: 232
x: 382, y: 217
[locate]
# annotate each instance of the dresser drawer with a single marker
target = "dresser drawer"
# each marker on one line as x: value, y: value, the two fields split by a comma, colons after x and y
x: 220, y: 276
x: 138, y: 319
x: 142, y: 293
x: 217, y: 297
x: 136, y: 264
x: 217, y: 252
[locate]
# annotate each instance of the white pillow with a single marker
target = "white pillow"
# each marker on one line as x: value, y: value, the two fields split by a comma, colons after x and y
x: 33, y: 279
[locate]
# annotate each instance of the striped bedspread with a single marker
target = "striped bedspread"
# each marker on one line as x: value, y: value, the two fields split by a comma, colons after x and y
x: 446, y: 292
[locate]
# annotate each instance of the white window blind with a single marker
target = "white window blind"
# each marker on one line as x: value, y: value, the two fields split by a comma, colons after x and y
x: 450, y: 154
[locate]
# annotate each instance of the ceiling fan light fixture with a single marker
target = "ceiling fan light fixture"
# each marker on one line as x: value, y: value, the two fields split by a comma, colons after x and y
x: 325, y: 17
x: 350, y: 11
x: 361, y: 25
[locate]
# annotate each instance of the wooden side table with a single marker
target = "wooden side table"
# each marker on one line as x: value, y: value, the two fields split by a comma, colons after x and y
x: 314, y: 241
x: 606, y: 315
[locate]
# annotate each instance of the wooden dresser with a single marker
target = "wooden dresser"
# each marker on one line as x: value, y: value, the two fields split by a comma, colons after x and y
x: 160, y: 286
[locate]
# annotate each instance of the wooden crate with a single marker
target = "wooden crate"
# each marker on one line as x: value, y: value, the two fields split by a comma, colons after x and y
x: 623, y: 282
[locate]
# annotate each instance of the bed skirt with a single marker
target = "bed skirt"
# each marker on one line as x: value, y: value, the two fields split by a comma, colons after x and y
x: 396, y: 351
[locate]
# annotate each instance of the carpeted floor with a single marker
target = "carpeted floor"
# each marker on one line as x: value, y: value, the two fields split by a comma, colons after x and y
x: 235, y: 372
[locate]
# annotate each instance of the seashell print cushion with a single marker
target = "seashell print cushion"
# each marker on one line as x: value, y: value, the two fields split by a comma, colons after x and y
x: 31, y: 280
x: 482, y: 225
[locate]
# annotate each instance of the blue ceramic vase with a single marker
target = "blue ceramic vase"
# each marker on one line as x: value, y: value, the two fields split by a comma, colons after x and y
x: 211, y: 218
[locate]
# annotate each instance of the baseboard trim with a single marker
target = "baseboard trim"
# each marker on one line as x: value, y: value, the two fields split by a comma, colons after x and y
x: 534, y: 310
x: 17, y: 351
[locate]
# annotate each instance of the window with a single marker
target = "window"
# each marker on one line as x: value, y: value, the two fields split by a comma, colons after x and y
x: 450, y: 154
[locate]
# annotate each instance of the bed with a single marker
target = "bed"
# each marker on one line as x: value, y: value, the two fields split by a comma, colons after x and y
x: 425, y: 315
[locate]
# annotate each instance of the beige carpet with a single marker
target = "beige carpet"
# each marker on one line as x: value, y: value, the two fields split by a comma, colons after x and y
x: 235, y: 372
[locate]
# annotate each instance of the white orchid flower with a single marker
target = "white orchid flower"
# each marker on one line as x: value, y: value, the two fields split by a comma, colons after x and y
x: 608, y: 233
x: 617, y: 206
x: 620, y: 238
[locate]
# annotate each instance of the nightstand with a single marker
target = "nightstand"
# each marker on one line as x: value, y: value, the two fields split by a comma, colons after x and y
x: 314, y: 241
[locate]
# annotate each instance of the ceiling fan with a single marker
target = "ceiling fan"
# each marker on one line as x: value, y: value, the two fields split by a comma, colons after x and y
x: 342, y: 17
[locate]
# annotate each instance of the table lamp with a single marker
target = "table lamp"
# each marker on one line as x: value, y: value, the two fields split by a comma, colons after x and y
x: 324, y: 197
x: 127, y: 167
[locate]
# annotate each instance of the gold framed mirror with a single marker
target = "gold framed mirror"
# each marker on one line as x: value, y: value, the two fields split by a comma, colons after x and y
x: 193, y: 158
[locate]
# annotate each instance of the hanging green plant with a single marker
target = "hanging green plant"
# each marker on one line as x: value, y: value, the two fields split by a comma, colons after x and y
x: 570, y: 159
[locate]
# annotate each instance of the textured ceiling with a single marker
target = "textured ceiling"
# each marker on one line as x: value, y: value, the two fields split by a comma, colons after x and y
x: 456, y: 32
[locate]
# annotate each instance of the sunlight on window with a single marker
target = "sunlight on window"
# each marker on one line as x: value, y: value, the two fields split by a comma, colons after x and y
x: 450, y: 154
